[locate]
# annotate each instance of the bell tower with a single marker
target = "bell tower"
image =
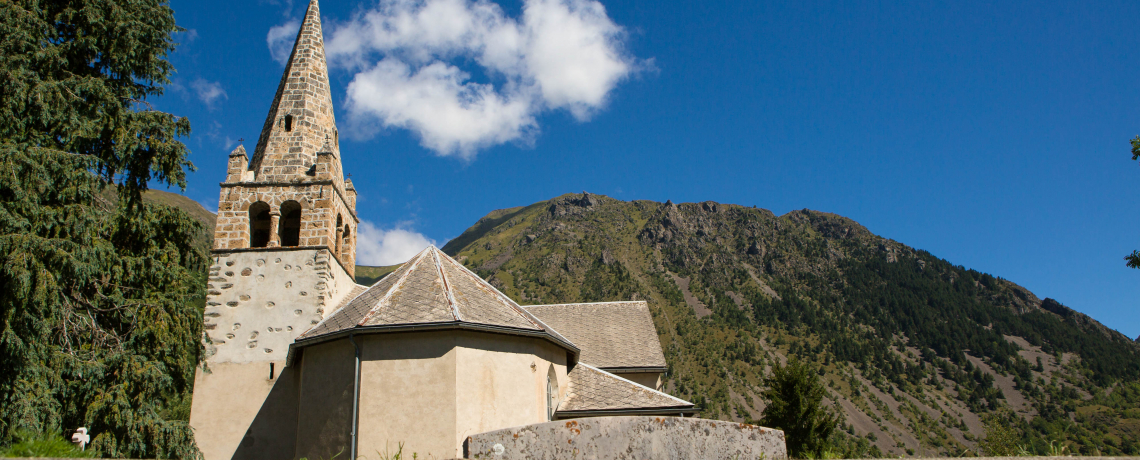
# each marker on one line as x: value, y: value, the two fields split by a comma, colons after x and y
x: 292, y: 193
x: 284, y: 257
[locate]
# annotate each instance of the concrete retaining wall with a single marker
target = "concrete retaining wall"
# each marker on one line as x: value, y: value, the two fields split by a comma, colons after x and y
x: 629, y: 438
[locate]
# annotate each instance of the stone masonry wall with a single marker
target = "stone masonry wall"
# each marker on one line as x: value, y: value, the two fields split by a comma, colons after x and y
x: 630, y: 438
x: 259, y: 301
x: 304, y: 96
x: 320, y: 206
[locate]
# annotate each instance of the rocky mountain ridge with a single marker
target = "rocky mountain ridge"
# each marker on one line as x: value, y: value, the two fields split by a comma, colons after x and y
x: 917, y: 353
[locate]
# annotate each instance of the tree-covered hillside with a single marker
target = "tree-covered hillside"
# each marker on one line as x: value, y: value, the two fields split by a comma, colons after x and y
x: 919, y: 355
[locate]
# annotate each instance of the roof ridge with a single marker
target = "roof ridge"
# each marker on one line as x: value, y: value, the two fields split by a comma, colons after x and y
x: 667, y: 395
x: 501, y: 297
x: 415, y: 263
x: 446, y: 285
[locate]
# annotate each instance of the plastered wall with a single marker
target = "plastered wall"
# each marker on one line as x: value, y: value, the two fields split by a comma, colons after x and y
x: 648, y: 379
x: 501, y: 382
x: 258, y: 302
x: 239, y: 412
x: 324, y: 419
x: 427, y: 390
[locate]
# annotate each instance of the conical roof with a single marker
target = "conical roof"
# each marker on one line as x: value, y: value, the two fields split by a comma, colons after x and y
x: 301, y: 116
x: 433, y: 289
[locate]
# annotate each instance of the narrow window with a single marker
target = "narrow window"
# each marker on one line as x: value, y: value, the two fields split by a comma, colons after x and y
x: 258, y: 225
x: 336, y: 137
x: 346, y: 240
x: 288, y: 122
x: 339, y: 236
x: 551, y: 394
x: 271, y: 371
x: 290, y: 226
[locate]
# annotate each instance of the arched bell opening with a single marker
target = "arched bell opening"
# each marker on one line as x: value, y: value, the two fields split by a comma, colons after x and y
x: 259, y: 225
x: 346, y: 241
x: 339, y: 234
x: 290, y: 226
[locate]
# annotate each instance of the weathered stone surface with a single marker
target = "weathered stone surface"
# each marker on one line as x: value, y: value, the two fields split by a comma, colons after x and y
x: 249, y: 304
x: 296, y: 163
x: 322, y: 207
x: 630, y: 438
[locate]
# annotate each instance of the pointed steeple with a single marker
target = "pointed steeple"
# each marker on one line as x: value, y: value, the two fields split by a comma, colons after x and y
x: 301, y: 116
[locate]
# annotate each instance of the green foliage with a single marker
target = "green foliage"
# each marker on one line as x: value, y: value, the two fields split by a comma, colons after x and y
x: 100, y: 308
x: 795, y: 405
x: 1002, y: 439
x: 906, y: 341
x: 48, y: 445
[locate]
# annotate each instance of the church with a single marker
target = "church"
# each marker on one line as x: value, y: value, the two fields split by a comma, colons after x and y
x: 302, y: 362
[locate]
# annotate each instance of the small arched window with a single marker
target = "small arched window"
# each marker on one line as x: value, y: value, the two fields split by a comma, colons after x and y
x: 339, y: 236
x: 346, y: 240
x: 288, y: 122
x: 290, y: 227
x: 551, y: 394
x: 258, y: 225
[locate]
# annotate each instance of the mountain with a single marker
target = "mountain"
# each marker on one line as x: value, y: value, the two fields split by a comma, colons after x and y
x: 920, y: 356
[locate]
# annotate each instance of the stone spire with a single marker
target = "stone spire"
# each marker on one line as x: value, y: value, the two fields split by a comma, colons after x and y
x: 301, y: 116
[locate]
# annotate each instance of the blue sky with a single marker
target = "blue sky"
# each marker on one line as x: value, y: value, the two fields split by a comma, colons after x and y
x: 992, y: 134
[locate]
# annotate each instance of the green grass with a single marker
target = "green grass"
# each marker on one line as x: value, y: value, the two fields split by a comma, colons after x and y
x: 32, y: 445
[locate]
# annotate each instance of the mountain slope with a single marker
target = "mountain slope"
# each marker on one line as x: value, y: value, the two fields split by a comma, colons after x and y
x: 917, y: 353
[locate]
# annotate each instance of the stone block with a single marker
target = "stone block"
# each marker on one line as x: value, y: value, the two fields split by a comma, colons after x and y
x: 630, y: 437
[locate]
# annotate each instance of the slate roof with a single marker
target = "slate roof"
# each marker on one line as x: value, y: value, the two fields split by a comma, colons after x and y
x: 611, y: 335
x: 431, y: 288
x: 592, y: 389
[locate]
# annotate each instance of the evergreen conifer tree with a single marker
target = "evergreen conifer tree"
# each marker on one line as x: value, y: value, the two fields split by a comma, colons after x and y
x: 795, y: 405
x: 99, y: 318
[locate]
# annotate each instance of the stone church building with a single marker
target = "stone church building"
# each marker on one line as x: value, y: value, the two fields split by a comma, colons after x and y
x: 303, y: 362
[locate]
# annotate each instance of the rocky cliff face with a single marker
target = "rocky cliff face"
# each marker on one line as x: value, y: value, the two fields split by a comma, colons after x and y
x: 916, y: 352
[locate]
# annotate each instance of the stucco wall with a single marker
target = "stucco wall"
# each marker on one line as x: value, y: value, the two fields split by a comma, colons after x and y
x: 497, y: 386
x: 427, y: 390
x: 407, y: 394
x: 630, y: 437
x: 239, y: 412
x: 258, y: 302
x: 324, y: 413
x: 649, y: 379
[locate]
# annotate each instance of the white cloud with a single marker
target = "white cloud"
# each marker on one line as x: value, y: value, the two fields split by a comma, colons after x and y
x: 214, y: 132
x: 280, y: 40
x: 376, y: 246
x: 187, y: 36
x: 559, y: 54
x: 208, y: 92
